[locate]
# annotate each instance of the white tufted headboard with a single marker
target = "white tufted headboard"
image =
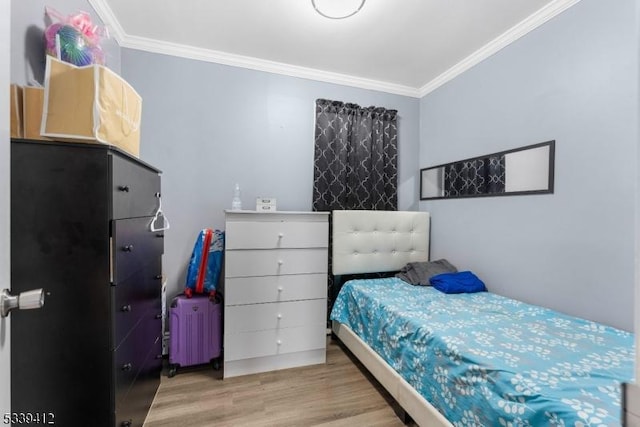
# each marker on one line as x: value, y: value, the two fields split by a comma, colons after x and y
x: 378, y: 241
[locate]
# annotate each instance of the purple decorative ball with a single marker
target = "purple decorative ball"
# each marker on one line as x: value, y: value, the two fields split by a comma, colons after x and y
x: 74, y: 47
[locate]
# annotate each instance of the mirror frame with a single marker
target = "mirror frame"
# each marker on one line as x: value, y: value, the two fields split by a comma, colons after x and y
x: 551, y: 144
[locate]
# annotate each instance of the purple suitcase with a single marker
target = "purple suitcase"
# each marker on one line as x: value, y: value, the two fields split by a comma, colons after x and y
x: 195, y: 332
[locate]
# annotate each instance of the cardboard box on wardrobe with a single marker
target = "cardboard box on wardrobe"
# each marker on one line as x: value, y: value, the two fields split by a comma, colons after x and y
x: 90, y: 104
x: 78, y: 104
x: 26, y: 112
x: 16, y: 111
x: 32, y: 99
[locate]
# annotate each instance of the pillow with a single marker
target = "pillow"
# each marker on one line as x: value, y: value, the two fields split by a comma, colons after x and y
x: 419, y: 273
x: 458, y: 283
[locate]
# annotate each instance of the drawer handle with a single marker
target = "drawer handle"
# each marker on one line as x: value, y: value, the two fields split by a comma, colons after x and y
x: 158, y: 356
x: 279, y: 342
x: 160, y: 235
x: 279, y: 316
x: 128, y: 248
x: 158, y: 276
x: 127, y: 423
x: 127, y: 367
x: 126, y: 308
x: 159, y: 316
x: 280, y: 262
x: 280, y: 235
x: 124, y: 188
x: 280, y: 289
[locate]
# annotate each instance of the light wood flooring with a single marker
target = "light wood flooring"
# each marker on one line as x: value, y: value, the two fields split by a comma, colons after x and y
x: 338, y: 393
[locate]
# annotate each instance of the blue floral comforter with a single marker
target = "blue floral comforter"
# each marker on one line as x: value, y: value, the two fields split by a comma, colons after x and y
x: 485, y: 360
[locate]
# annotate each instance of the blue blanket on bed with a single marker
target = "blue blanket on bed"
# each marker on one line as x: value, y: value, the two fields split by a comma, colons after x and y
x: 457, y: 283
x: 485, y: 360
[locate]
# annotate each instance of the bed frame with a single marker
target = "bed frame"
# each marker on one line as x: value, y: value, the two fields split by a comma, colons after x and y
x: 382, y: 241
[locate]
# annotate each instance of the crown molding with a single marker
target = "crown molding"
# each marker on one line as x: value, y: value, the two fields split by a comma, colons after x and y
x: 208, y: 55
x: 105, y: 13
x: 514, y: 33
x: 532, y: 22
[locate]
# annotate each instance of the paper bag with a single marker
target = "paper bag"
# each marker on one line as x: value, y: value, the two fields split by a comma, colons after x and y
x: 32, y: 103
x: 16, y: 111
x: 90, y: 104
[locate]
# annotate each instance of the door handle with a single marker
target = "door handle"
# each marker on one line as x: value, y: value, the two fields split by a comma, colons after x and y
x: 25, y: 301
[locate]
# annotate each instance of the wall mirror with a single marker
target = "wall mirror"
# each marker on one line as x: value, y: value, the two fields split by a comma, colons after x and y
x: 523, y: 170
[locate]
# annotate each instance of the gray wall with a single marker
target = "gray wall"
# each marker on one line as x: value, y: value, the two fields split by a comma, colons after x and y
x: 637, y: 210
x: 575, y: 80
x: 27, y: 32
x: 208, y: 126
x: 5, y: 262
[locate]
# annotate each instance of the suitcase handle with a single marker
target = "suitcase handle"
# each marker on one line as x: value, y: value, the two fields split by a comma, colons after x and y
x: 126, y: 308
x: 128, y: 248
x: 127, y: 367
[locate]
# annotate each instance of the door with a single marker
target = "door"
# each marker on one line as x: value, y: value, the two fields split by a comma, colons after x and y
x: 5, y: 329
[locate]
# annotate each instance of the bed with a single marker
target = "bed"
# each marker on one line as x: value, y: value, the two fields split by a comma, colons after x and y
x: 467, y: 359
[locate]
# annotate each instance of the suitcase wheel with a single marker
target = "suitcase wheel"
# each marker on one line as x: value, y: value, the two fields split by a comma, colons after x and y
x: 172, y: 370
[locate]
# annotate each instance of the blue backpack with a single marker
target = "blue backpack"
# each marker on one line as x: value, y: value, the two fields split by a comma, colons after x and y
x: 205, y: 264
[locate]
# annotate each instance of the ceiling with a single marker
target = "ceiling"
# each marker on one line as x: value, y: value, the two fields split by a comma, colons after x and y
x: 407, y: 47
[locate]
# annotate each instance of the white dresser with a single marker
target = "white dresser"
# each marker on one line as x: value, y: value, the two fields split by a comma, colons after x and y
x: 275, y: 290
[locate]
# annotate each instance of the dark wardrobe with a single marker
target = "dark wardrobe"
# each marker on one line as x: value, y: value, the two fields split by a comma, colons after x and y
x: 81, y: 218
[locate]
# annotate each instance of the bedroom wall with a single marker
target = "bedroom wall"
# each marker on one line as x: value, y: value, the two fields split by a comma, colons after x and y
x: 208, y: 126
x: 574, y: 80
x: 5, y: 189
x: 27, y: 30
x: 637, y: 208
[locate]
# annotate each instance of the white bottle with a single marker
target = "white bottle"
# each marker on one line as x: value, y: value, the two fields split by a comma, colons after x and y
x: 236, y: 204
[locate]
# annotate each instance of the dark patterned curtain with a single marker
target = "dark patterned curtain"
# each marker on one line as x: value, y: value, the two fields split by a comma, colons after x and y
x: 355, y: 161
x: 472, y: 177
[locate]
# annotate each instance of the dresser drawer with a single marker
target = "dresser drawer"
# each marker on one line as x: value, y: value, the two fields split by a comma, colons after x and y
x: 271, y: 342
x: 275, y: 315
x: 134, y: 297
x: 128, y: 359
x: 251, y: 290
x: 130, y: 355
x: 134, y: 405
x: 276, y: 234
x: 133, y: 245
x: 244, y: 263
x: 135, y: 189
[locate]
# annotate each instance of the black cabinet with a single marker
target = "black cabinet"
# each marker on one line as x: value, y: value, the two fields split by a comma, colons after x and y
x: 80, y: 229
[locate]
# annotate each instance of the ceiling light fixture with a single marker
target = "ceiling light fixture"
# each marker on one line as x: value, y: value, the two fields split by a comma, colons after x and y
x: 337, y: 9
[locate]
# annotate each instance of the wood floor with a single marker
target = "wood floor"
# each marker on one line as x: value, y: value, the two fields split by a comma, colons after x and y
x: 339, y: 393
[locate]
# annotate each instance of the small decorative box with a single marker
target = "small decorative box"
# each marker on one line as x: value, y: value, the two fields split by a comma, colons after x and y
x: 265, y: 205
